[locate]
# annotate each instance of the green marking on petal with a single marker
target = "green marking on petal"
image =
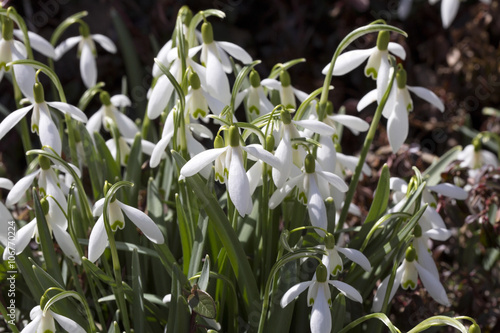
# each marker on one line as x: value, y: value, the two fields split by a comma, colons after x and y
x: 311, y: 301
x: 198, y: 113
x: 409, y: 107
x: 117, y: 225
x: 303, y: 198
x: 409, y: 284
x: 254, y: 109
x: 336, y: 270
x: 371, y: 72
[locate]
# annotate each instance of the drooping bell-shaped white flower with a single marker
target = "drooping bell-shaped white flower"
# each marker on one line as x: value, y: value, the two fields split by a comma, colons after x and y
x: 86, y: 52
x: 98, y: 239
x: 314, y: 188
x: 109, y: 112
x: 397, y: 106
x: 332, y: 260
x: 407, y: 277
x: 231, y: 169
x: 473, y: 157
x: 41, y: 120
x: 320, y: 298
x: 255, y: 97
x: 378, y: 61
x: 43, y: 322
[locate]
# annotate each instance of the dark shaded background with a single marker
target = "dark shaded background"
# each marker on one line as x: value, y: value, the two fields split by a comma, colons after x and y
x: 460, y: 64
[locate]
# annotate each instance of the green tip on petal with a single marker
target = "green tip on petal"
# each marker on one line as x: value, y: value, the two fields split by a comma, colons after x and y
x: 7, y: 29
x: 329, y: 241
x: 401, y: 78
x: 104, y: 97
x: 44, y: 162
x: 117, y: 225
x: 286, y: 118
x: 254, y: 79
x: 39, y: 93
x: 84, y: 30
x: 207, y: 33
x: 474, y: 328
x: 269, y: 143
x: 194, y: 80
x: 411, y: 254
x: 218, y: 142
x: 285, y: 78
x: 186, y: 14
x: 310, y: 163
x: 417, y: 232
x: 321, y: 273
x: 45, y: 206
x: 234, y: 136
x: 383, y: 40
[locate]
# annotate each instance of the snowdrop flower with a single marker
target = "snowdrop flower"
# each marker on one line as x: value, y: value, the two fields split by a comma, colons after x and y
x: 163, y: 89
x: 407, y: 277
x: 256, y: 100
x: 333, y: 261
x: 124, y: 146
x: 398, y: 104
x: 193, y: 146
x: 449, y: 10
x: 473, y: 157
x: 232, y: 168
x: 286, y: 90
x: 108, y: 112
x: 41, y: 121
x: 214, y: 56
x: 98, y: 239
x: 86, y: 52
x: 285, y: 153
x: 313, y: 185
x: 44, y: 322
x: 56, y: 226
x: 199, y: 102
x: 378, y: 61
x: 319, y: 297
x: 5, y: 216
x: 12, y: 50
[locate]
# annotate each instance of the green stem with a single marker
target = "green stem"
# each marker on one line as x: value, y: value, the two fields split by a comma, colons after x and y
x: 366, y: 147
x: 4, y: 312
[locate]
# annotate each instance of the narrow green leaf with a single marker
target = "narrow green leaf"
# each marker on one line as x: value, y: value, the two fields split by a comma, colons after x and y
x: 432, y: 174
x: 93, y: 163
x: 133, y: 170
x: 111, y: 168
x: 138, y: 318
x: 381, y: 198
x: 205, y: 274
x: 46, y: 242
x: 338, y: 310
x: 91, y: 268
x: 185, y: 236
x: 438, y: 321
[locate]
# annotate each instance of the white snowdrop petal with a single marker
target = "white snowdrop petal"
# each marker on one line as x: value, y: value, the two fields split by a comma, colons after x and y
x: 38, y: 43
x: 427, y: 95
x: 333, y: 179
x: 321, y: 318
x: 73, y: 111
x: 281, y: 193
x: 257, y: 151
x: 143, y: 222
x: 397, y: 127
x: 355, y: 256
x: 398, y: 184
x: 12, y: 119
x: 66, y: 323
x: 316, y: 206
x: 23, y: 236
x: 105, y: 42
x: 126, y: 125
x: 271, y: 83
x: 98, y: 207
x: 120, y: 100
x: 236, y: 52
x: 198, y: 162
x: 160, y: 95
x: 293, y: 292
x: 449, y: 9
x: 382, y: 290
x: 238, y: 186
x: 48, y: 132
x: 66, y: 45
x: 367, y: 99
x: 66, y: 243
x: 351, y: 122
x: 18, y: 190
x: 450, y: 191
x: 315, y: 126
x: 98, y: 240
x: 348, y: 61
x: 397, y: 50
x: 88, y: 67
x: 347, y: 290
x: 433, y: 285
